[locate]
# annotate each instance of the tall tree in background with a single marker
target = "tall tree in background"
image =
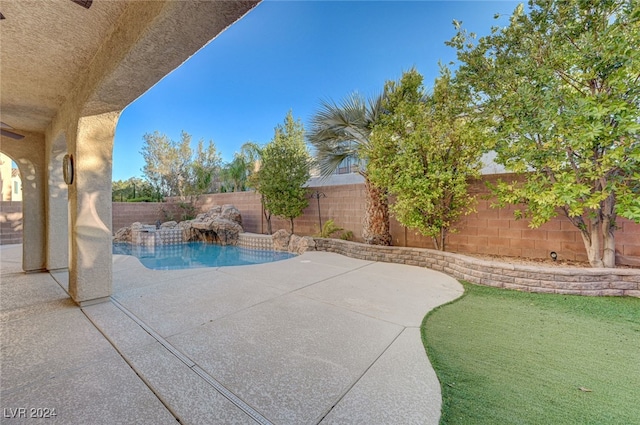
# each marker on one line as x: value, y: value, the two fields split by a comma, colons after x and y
x: 165, y: 161
x: 174, y: 170
x: 133, y: 189
x: 204, y: 170
x: 236, y: 175
x: 342, y: 131
x: 424, y: 149
x: 284, y: 171
x: 561, y: 87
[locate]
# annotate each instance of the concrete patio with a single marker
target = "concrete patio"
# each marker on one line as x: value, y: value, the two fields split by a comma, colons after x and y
x: 319, y: 338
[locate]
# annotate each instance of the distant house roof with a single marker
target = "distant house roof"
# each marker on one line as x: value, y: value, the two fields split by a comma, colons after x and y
x: 335, y: 180
x: 15, y: 172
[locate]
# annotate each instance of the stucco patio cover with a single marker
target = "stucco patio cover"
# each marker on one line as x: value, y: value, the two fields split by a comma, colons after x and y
x: 66, y: 73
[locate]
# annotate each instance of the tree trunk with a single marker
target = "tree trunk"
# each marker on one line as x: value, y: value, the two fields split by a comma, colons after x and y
x: 608, y: 229
x: 438, y: 241
x: 375, y: 226
x: 267, y: 215
x: 609, y: 244
x: 592, y: 238
x: 291, y: 226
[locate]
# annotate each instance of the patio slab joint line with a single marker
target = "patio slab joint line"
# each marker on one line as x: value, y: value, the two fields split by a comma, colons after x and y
x: 224, y: 391
x: 124, y: 358
x: 361, y: 376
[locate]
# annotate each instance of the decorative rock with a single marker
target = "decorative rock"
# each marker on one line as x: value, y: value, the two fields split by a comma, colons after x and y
x: 229, y: 212
x: 301, y: 244
x: 226, y: 231
x: 221, y: 224
x: 123, y: 235
x: 281, y: 240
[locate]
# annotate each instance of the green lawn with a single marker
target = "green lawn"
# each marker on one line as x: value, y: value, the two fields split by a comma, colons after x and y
x: 508, y: 357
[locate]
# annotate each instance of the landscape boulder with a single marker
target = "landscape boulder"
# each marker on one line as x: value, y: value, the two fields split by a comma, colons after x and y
x: 221, y: 224
x: 301, y: 244
x: 281, y: 240
x: 123, y: 235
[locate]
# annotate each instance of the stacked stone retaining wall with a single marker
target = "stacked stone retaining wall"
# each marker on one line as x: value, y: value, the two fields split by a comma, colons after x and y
x: 555, y: 280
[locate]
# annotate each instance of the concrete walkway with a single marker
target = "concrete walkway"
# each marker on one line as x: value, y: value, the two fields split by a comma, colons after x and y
x: 319, y: 338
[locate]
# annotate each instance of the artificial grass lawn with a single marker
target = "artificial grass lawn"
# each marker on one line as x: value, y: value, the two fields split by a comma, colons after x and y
x: 508, y: 357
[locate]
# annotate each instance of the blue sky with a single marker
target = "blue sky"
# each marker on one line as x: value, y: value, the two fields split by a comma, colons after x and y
x: 288, y: 55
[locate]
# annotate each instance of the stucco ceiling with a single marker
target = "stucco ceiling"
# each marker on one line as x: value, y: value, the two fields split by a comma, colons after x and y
x: 114, y: 51
x: 45, y: 45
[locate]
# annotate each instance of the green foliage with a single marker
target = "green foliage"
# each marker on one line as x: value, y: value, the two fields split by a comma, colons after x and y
x: 236, y: 175
x: 505, y: 356
x: 133, y: 190
x: 174, y: 170
x: 347, y: 235
x: 424, y: 150
x: 342, y: 131
x: 204, y: 169
x: 329, y: 228
x: 560, y: 85
x: 187, y: 210
x: 284, y: 170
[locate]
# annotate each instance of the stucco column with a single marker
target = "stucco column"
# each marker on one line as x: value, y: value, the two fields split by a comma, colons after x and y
x: 29, y: 156
x: 57, y: 208
x: 90, y: 264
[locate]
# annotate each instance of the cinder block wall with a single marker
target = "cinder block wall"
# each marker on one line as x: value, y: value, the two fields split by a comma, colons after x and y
x: 248, y: 203
x: 344, y: 204
x: 10, y: 222
x: 487, y: 231
x: 495, y: 231
x: 126, y: 213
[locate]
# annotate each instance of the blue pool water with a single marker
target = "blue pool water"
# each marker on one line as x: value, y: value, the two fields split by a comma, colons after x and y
x: 197, y: 254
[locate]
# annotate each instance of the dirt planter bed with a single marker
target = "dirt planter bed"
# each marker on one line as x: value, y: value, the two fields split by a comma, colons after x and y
x: 554, y: 280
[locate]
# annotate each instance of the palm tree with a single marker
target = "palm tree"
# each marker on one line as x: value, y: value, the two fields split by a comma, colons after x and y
x: 340, y: 132
x: 237, y: 173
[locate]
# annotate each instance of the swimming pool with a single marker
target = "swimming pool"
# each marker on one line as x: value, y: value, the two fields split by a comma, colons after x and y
x: 192, y: 255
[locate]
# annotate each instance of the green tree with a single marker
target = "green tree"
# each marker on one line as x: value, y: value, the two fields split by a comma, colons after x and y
x: 235, y: 174
x: 204, y: 170
x: 166, y: 162
x: 342, y: 131
x: 133, y: 189
x: 284, y: 171
x: 174, y: 170
x: 560, y: 85
x: 424, y: 150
